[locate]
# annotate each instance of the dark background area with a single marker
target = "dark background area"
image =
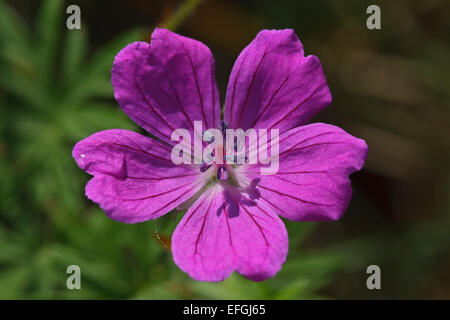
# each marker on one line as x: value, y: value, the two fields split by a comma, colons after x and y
x: 389, y: 86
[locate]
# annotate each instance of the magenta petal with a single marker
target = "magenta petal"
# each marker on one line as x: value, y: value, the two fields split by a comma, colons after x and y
x: 312, y: 183
x: 273, y: 85
x: 134, y: 177
x: 222, y: 232
x: 167, y: 84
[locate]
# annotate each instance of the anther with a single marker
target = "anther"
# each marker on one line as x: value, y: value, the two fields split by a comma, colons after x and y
x: 222, y: 173
x: 204, y: 166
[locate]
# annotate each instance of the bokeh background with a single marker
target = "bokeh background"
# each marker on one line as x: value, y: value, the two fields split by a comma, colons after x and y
x: 390, y: 87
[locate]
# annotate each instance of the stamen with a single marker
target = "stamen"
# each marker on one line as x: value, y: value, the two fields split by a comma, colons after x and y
x: 208, y: 137
x: 223, y: 127
x: 204, y: 166
x: 235, y: 142
x: 222, y: 173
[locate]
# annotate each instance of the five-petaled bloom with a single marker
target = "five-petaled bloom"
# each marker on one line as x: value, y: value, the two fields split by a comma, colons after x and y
x: 233, y: 222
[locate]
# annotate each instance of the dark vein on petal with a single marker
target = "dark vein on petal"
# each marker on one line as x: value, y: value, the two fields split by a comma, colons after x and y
x: 151, y: 106
x: 270, y: 101
x: 313, y: 145
x: 164, y: 146
x: 256, y: 205
x: 297, y: 106
x: 203, y: 224
x: 290, y: 181
x: 213, y: 94
x: 234, y: 91
x: 273, y: 205
x: 303, y: 141
x: 159, y: 194
x: 252, y: 81
x: 303, y: 172
x: 170, y: 202
x: 177, y: 198
x: 311, y: 138
x: 228, y: 225
x: 163, y: 178
x: 258, y: 225
x: 136, y: 84
x: 294, y: 197
x: 250, y: 172
x: 139, y: 150
x: 193, y: 212
x: 196, y: 84
x: 179, y: 104
x: 154, y: 128
x: 281, y: 139
x: 180, y: 107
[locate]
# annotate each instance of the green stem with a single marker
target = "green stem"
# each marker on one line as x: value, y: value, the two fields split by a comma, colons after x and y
x: 180, y: 14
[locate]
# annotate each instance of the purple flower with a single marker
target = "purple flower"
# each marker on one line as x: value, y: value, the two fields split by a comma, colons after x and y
x: 233, y: 222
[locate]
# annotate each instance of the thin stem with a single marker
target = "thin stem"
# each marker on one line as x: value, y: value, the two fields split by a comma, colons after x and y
x: 180, y: 14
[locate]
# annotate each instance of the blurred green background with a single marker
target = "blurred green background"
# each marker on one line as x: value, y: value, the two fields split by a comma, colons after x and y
x: 390, y: 87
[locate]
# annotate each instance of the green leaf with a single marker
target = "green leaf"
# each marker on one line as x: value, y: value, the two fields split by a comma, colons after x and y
x: 48, y: 26
x: 13, y: 30
x: 74, y: 52
x: 13, y: 281
x: 95, y: 81
x: 234, y: 287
